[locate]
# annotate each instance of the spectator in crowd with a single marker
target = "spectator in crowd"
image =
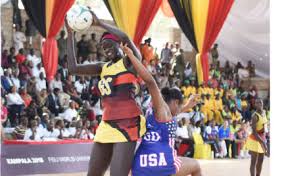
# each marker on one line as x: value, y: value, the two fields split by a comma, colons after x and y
x: 187, y: 89
x: 62, y: 46
x: 82, y: 47
x: 56, y: 83
x: 234, y: 127
x: 25, y: 69
x: 252, y: 96
x: 235, y: 114
x: 246, y: 114
x: 85, y: 132
x: 80, y: 85
x: 37, y: 70
x: 214, y: 53
x: 63, y: 131
x: 15, y: 105
x: 4, y: 59
x: 70, y: 113
x: 211, y: 137
x: 4, y: 111
x: 237, y: 67
x: 182, y: 131
x: 217, y: 109
x: 25, y: 97
x: 45, y: 120
x: 41, y: 82
x: 152, y: 68
x: 162, y: 79
x: 240, y: 139
x: 33, y: 133
x: 182, y: 136
x: 224, y: 138
x: 88, y: 60
x: 42, y: 100
x: 19, y: 38
x: 166, y: 56
x: 33, y: 58
x: 53, y: 102
x: 6, y: 81
x: 227, y: 69
x: 180, y: 64
x: 147, y: 51
x: 197, y: 114
x: 92, y: 46
x: 15, y: 80
x: 188, y: 71
x: 20, y: 57
x: 64, y: 72
x: 20, y: 130
x: 31, y: 111
x: 12, y: 57
x: 50, y: 132
x: 251, y: 68
x: 31, y: 86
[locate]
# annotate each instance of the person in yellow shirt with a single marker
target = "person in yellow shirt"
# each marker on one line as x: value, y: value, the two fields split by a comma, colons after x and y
x: 235, y: 115
x: 186, y: 89
x: 202, y: 89
x: 207, y: 109
x: 219, y: 90
x: 218, y: 107
x: 193, y: 88
x: 244, y: 102
x: 209, y: 89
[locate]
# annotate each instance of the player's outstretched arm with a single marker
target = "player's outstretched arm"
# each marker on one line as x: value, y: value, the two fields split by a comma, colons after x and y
x: 161, y: 108
x: 74, y: 68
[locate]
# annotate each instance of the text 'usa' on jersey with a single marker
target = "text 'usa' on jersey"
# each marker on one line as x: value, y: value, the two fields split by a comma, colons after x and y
x: 156, y: 153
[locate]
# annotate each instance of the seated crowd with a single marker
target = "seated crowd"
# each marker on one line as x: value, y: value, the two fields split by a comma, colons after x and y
x: 69, y: 106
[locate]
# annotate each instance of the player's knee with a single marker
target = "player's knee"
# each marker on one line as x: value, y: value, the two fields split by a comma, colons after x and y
x: 196, y: 167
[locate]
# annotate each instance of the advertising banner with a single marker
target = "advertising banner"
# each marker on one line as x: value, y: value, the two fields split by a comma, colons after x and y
x: 24, y: 159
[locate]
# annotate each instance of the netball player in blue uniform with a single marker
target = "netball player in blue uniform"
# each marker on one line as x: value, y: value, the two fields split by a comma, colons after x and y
x: 156, y: 155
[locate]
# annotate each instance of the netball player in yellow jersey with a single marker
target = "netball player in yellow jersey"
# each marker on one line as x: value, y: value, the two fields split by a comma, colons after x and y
x: 122, y: 124
x: 256, y: 142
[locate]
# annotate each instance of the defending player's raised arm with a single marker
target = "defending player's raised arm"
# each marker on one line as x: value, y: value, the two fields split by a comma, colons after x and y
x: 161, y: 108
x: 74, y: 68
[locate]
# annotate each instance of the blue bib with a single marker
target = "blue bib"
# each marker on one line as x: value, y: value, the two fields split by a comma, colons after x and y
x: 156, y: 153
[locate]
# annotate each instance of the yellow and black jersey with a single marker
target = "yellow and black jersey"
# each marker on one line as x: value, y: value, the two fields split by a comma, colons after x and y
x: 117, y: 87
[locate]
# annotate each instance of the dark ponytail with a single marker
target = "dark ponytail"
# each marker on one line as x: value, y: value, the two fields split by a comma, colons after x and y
x: 170, y: 94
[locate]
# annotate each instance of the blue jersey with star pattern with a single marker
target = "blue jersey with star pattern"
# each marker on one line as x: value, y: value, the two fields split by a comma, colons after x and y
x: 156, y: 154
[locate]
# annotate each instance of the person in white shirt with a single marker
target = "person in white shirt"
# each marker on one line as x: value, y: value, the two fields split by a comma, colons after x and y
x: 61, y: 131
x: 14, y: 98
x: 33, y: 133
x: 18, y: 38
x: 37, y: 70
x: 188, y: 71
x: 80, y: 85
x: 15, y: 80
x: 41, y: 83
x: 197, y: 115
x: 70, y: 113
x: 56, y: 83
x: 33, y: 58
x: 182, y: 132
x: 87, y: 61
x: 85, y: 132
